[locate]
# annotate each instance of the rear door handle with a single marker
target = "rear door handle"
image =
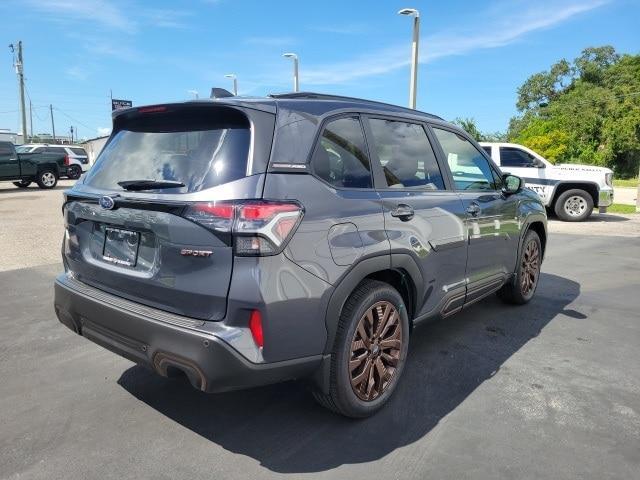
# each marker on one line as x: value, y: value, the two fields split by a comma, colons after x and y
x: 403, y: 211
x: 474, y: 209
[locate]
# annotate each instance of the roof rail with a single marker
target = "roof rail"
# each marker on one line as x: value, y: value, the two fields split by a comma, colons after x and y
x: 326, y: 96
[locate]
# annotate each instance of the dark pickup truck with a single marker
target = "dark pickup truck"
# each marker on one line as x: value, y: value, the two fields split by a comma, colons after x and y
x: 24, y: 168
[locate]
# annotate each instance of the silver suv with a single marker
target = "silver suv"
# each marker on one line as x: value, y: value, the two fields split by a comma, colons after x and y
x: 76, y: 157
x: 242, y: 242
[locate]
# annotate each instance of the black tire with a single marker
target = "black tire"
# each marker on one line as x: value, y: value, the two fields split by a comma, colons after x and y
x: 342, y: 397
x: 573, y: 205
x: 515, y: 292
x: 22, y: 183
x: 74, y: 172
x: 47, y: 179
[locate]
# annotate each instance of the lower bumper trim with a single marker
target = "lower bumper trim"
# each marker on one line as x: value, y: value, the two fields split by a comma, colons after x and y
x: 210, y: 363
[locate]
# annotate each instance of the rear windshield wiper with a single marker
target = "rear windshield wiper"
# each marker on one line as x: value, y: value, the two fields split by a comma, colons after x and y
x: 135, y: 185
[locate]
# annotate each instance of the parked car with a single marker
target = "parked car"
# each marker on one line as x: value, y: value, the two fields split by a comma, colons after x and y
x: 24, y: 168
x: 570, y: 190
x: 77, y: 158
x: 243, y: 242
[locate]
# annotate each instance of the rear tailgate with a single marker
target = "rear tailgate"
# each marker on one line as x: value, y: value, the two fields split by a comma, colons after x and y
x: 147, y: 256
x: 139, y: 244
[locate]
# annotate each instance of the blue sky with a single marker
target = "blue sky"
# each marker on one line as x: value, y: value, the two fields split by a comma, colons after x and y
x: 473, y: 55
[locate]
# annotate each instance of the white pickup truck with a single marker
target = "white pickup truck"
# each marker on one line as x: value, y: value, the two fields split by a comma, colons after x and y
x: 571, y: 190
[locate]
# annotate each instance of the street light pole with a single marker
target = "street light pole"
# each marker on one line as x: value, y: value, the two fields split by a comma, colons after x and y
x: 296, y: 82
x: 413, y: 85
x: 235, y: 82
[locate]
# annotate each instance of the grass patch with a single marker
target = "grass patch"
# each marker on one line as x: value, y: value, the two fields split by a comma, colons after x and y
x: 620, y: 208
x: 629, y: 182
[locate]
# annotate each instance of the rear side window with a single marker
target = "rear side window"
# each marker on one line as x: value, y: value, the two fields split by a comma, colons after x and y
x: 340, y: 157
x: 470, y: 170
x: 79, y: 151
x: 406, y: 155
x: 514, y: 157
x: 202, y: 150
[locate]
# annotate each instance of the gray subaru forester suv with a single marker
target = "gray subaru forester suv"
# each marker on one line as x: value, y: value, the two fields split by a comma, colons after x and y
x: 242, y: 242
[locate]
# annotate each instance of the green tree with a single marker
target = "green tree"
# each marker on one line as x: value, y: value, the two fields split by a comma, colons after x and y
x: 587, y: 111
x: 469, y: 125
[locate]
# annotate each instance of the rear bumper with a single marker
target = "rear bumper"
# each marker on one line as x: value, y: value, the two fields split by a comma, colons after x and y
x: 167, y: 345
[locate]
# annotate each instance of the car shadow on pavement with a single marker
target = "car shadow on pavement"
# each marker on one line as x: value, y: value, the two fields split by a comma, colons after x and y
x: 281, y: 426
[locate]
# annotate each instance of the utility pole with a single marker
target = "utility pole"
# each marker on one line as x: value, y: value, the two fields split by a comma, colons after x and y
x: 53, y: 125
x: 31, y: 120
x: 20, y: 72
x: 71, y: 130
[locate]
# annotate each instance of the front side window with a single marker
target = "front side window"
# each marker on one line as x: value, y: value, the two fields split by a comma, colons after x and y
x: 514, y: 157
x: 5, y: 149
x: 406, y: 156
x: 340, y: 158
x: 470, y: 170
x: 487, y: 149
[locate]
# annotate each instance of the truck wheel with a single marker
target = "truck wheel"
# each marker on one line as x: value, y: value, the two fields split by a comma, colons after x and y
x: 521, y: 289
x: 574, y: 205
x: 22, y: 183
x: 74, y: 172
x: 369, y: 352
x: 47, y: 179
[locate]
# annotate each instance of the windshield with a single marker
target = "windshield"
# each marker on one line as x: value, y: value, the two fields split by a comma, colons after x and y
x: 199, y: 159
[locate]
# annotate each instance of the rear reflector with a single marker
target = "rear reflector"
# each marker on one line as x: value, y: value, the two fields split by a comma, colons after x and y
x: 259, y: 227
x: 255, y: 325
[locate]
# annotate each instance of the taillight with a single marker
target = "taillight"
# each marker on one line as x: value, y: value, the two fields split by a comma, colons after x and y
x: 66, y: 160
x: 259, y: 227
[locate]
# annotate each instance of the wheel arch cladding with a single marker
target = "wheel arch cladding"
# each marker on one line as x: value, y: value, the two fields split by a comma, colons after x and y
x: 538, y: 227
x: 398, y: 270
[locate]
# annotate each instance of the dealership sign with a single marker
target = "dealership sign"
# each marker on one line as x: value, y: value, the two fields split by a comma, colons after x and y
x: 120, y: 104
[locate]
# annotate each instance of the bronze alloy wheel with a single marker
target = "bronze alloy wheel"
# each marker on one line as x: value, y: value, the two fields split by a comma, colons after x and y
x: 375, y: 351
x: 530, y: 267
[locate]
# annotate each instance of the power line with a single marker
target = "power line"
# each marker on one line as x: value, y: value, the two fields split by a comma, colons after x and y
x: 75, y: 119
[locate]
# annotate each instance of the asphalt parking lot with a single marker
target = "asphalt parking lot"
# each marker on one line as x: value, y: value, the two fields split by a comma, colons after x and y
x: 548, y: 390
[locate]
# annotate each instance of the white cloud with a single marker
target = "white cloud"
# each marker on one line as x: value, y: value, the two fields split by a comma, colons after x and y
x: 102, y: 131
x: 507, y: 25
x: 77, y: 72
x: 164, y: 18
x: 102, y: 12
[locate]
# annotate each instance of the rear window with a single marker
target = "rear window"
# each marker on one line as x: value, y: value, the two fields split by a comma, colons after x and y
x: 200, y: 151
x: 78, y: 151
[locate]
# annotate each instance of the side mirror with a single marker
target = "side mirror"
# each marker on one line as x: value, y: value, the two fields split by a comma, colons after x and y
x: 511, y: 184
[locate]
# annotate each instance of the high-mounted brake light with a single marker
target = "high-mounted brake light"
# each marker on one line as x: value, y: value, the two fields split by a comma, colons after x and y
x: 156, y: 109
x: 259, y: 227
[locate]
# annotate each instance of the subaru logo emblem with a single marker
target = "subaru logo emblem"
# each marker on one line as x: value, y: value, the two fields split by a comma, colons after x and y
x: 107, y: 203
